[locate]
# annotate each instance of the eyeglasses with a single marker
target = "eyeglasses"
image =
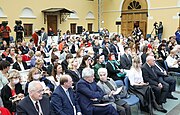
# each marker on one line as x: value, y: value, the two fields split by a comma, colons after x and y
x: 40, y: 91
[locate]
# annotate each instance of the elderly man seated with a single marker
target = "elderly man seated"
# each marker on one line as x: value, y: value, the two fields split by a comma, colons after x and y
x: 89, y: 96
x: 112, y: 94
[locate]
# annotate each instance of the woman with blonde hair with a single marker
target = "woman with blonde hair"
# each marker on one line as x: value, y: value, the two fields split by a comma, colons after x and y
x: 35, y: 75
x: 142, y: 89
x: 73, y: 71
x: 12, y: 92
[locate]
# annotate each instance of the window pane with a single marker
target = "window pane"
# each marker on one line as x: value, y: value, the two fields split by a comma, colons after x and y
x: 28, y: 30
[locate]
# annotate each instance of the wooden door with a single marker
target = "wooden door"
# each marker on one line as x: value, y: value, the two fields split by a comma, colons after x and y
x: 73, y: 28
x: 129, y: 19
x: 52, y: 23
x: 90, y: 26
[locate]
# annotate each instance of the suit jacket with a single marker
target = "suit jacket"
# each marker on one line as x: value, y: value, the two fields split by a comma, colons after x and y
x: 75, y: 77
x: 106, y: 52
x: 85, y: 92
x: 61, y: 104
x: 125, y: 62
x: 17, y: 66
x: 107, y: 91
x: 6, y: 94
x: 45, y: 37
x: 24, y: 50
x: 114, y: 50
x: 149, y: 75
x: 26, y: 106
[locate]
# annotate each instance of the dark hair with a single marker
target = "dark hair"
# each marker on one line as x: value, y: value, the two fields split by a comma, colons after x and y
x: 42, y: 28
x: 83, y: 63
x: 145, y: 49
x: 4, y: 64
x: 125, y: 48
x: 69, y: 56
x: 54, y: 71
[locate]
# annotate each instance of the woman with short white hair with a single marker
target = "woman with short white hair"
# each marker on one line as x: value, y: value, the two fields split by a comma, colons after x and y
x: 109, y: 88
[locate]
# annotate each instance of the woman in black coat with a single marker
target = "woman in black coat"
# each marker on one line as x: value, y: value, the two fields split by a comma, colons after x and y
x: 12, y: 92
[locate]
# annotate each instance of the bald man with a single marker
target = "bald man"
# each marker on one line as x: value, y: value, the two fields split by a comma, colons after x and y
x: 63, y: 99
x: 35, y: 103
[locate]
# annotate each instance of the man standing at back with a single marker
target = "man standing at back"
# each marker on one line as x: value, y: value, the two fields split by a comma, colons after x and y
x: 35, y: 103
x: 63, y: 98
x: 44, y: 36
x: 126, y: 59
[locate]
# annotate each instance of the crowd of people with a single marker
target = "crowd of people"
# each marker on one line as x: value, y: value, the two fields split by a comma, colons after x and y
x: 80, y: 75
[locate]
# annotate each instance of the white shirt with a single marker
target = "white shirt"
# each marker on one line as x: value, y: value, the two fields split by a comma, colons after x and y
x: 66, y: 90
x: 135, y: 76
x: 40, y: 109
x: 170, y: 62
x: 21, y: 66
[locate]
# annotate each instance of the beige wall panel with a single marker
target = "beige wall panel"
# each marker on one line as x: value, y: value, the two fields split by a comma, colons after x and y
x: 166, y: 16
x: 12, y: 9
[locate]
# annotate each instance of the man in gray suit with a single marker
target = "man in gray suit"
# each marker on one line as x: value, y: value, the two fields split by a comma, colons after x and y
x: 44, y: 36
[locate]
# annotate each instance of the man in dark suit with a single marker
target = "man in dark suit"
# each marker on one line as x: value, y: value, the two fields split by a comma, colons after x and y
x: 19, y: 64
x: 160, y: 90
x: 115, y: 49
x: 89, y: 96
x: 165, y: 78
x: 126, y: 59
x: 23, y: 48
x: 35, y: 103
x: 63, y: 99
x: 106, y: 50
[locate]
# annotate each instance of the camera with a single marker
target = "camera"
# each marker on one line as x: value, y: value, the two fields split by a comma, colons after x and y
x: 18, y: 22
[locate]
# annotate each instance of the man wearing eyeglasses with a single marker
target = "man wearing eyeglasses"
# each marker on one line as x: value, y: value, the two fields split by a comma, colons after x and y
x: 35, y: 103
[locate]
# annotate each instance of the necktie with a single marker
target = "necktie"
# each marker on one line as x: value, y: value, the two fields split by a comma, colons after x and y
x: 37, y: 106
x: 153, y: 72
x: 74, y: 108
x: 67, y: 93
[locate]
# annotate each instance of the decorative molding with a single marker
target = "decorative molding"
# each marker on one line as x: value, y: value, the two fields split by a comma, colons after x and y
x: 73, y: 16
x: 160, y: 8
x: 90, y: 16
x: 2, y: 13
x: 28, y: 17
x: 27, y: 13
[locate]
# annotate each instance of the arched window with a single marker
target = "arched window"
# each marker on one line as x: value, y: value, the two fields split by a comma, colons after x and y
x: 73, y: 15
x: 27, y: 13
x: 90, y: 15
x: 134, y: 5
x: 2, y: 14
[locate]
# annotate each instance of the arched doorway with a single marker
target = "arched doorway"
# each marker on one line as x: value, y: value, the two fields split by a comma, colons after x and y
x: 134, y: 13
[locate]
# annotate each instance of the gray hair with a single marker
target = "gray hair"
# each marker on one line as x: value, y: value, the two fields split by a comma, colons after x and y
x: 148, y: 58
x: 102, y: 70
x: 32, y: 85
x: 87, y: 72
